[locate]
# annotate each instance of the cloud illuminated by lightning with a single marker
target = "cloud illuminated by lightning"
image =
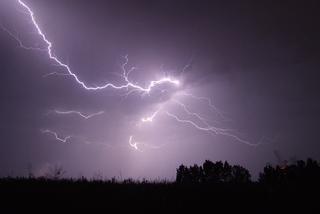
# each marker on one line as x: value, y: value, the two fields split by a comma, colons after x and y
x: 79, y: 113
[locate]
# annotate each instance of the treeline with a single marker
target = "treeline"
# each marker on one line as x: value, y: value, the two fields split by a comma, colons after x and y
x: 303, y: 172
x: 210, y: 172
x: 212, y: 187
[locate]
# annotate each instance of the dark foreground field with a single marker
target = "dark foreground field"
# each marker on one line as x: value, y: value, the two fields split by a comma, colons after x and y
x: 81, y: 195
x: 211, y: 188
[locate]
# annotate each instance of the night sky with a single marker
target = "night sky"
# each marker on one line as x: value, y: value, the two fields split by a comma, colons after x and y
x: 258, y: 62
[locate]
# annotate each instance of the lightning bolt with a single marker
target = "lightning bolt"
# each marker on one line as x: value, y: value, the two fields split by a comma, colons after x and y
x: 189, y: 112
x: 187, y: 66
x: 79, y: 113
x: 209, y: 103
x: 55, y: 74
x: 16, y: 37
x: 133, y: 144
x: 63, y: 140
x: 130, y: 87
x: 126, y: 85
x: 150, y: 118
x: 211, y: 129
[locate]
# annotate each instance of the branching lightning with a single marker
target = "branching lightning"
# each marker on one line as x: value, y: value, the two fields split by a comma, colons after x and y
x: 150, y: 118
x: 133, y: 144
x: 21, y: 45
x: 209, y: 102
x: 79, y: 113
x: 194, y: 119
x: 55, y: 74
x: 136, y: 145
x: 63, y: 140
x: 196, y: 115
x: 126, y: 85
x: 211, y: 129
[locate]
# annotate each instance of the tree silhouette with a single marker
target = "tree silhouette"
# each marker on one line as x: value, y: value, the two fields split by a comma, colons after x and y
x: 302, y: 172
x: 240, y: 174
x: 210, y: 172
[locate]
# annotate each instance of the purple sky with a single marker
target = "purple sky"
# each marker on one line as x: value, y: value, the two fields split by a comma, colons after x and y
x: 257, y: 62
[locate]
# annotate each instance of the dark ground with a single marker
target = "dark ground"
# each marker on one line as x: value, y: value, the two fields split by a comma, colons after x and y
x: 72, y: 196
